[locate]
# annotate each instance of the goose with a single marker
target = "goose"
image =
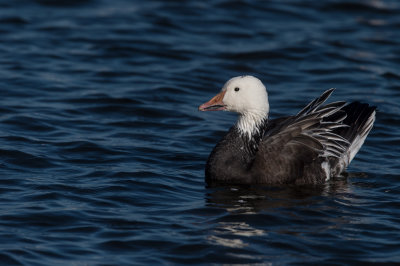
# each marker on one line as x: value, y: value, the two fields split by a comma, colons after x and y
x: 311, y: 147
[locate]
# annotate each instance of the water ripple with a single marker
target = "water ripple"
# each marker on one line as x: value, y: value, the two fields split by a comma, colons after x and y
x: 102, y: 148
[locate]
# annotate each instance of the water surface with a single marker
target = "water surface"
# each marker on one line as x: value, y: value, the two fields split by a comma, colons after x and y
x: 102, y: 149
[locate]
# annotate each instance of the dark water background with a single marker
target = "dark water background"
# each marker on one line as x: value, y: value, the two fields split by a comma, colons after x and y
x: 102, y: 149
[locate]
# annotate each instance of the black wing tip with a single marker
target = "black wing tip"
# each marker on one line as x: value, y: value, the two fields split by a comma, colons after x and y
x: 330, y: 90
x: 358, y: 114
x: 326, y: 94
x: 360, y: 107
x: 313, y: 105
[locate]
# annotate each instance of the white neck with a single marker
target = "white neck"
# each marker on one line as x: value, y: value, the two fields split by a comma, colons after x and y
x: 248, y: 123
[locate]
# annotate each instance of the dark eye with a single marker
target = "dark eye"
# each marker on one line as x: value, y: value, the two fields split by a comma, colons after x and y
x: 237, y: 89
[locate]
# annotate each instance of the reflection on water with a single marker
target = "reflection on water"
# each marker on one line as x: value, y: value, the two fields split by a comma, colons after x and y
x: 251, y: 200
x: 224, y: 231
x: 260, y: 211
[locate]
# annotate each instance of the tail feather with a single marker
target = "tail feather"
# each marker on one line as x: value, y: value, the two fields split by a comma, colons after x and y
x: 359, y: 120
x: 358, y: 116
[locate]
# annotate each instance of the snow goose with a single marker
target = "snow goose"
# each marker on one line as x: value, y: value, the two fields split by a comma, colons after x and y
x: 310, y: 147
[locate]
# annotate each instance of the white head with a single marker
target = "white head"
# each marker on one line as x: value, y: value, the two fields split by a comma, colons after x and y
x: 245, y: 95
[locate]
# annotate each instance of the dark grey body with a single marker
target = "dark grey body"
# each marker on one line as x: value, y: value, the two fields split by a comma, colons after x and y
x: 291, y: 149
x: 232, y: 161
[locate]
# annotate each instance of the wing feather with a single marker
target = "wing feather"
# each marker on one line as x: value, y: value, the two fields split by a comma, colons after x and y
x: 304, y: 138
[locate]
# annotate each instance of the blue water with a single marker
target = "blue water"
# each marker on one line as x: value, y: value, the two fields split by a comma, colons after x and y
x: 102, y: 149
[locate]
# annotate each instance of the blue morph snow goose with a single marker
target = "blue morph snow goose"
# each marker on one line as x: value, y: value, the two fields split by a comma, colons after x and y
x: 310, y: 147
